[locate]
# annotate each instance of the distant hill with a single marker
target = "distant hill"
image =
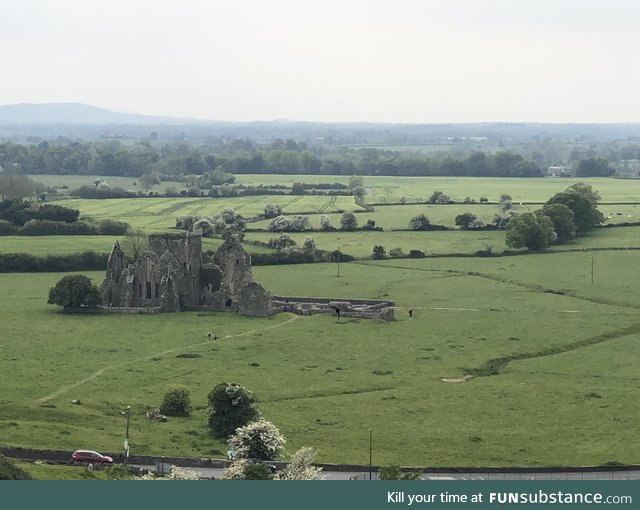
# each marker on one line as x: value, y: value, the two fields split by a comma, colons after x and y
x: 74, y: 113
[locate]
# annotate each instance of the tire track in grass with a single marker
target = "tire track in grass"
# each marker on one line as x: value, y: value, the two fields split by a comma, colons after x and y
x: 98, y: 373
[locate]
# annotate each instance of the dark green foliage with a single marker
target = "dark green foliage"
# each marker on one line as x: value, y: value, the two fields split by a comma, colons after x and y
x: 257, y: 471
x: 419, y: 222
x: 297, y: 189
x: 527, y: 230
x: 271, y: 211
x: 7, y: 229
x: 96, y: 192
x: 348, y: 222
x: 55, y: 212
x: 393, y: 472
x: 9, y: 471
x: 27, y: 263
x: 74, y: 291
x: 231, y: 406
x: 378, y: 252
x: 562, y: 218
x: 583, y: 201
x: 465, y: 219
x: 176, y: 402
x: 596, y: 166
x: 112, y: 227
x: 61, y: 228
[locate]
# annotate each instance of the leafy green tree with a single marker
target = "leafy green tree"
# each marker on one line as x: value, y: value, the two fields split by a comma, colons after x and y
x: 298, y: 189
x: 348, y: 222
x: 526, y: 230
x: 257, y: 471
x: 596, y: 166
x: 562, y: 218
x: 230, y: 406
x: 299, y: 223
x: 355, y: 181
x: 271, y: 211
x: 582, y: 200
x: 259, y: 440
x: 309, y: 245
x: 148, y: 181
x: 419, y: 222
x: 74, y: 291
x: 465, y: 219
x: 378, y: 252
x: 176, y: 402
x: 279, y: 224
x: 395, y: 253
x: 281, y: 243
x: 325, y: 223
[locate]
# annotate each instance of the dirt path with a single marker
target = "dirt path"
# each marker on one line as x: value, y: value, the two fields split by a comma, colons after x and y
x: 98, y: 373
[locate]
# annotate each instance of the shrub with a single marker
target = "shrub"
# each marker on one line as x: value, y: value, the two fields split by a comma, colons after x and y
x: 348, y: 222
x: 284, y: 242
x: 416, y: 254
x: 27, y: 263
x: 396, y: 253
x: 419, y: 222
x: 309, y: 245
x: 176, y: 402
x: 258, y: 440
x: 54, y: 212
x: 465, y: 219
x: 112, y: 227
x: 9, y: 471
x: 6, y: 228
x: 279, y: 224
x: 74, y: 291
x: 301, y: 467
x: 231, y: 406
x: 61, y: 228
x: 325, y: 223
x: 378, y: 252
x: 299, y: 223
x: 271, y: 211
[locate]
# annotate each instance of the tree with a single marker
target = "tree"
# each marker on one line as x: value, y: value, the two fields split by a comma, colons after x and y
x: 526, y: 230
x: 596, y: 166
x: 355, y: 181
x: 309, y: 245
x: 299, y: 223
x: 231, y: 406
x: 562, y: 218
x: 438, y: 197
x: 176, y: 402
x: 259, y: 440
x: 378, y: 252
x: 228, y: 215
x: 271, y: 211
x: 465, y: 219
x: 74, y: 291
x: 325, y: 223
x: 420, y: 222
x: 505, y: 202
x: 205, y: 226
x: 135, y: 242
x: 16, y: 187
x: 279, y: 224
x: 301, y: 466
x: 393, y: 472
x: 284, y: 242
x: 147, y: 181
x: 297, y: 189
x: 359, y: 192
x: 348, y: 222
x: 582, y: 200
x: 395, y: 253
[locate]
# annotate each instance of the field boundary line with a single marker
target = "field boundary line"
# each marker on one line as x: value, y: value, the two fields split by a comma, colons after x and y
x: 99, y: 372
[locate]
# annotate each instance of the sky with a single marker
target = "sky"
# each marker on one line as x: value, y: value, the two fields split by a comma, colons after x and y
x: 401, y: 61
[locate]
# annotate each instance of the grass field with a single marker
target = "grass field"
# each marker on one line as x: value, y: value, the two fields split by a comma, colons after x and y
x: 324, y: 383
x: 75, y: 181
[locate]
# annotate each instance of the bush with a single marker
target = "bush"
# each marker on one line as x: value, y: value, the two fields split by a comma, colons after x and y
x: 271, y: 211
x: 176, y: 402
x: 54, y: 212
x: 258, y: 440
x: 9, y: 471
x: 27, y: 263
x: 465, y: 219
x: 396, y: 253
x: 378, y: 252
x: 416, y: 254
x: 279, y: 224
x: 112, y: 227
x: 231, y: 406
x: 325, y: 223
x: 7, y: 229
x: 57, y: 228
x: 419, y: 222
x: 348, y: 222
x: 284, y: 242
x: 74, y: 291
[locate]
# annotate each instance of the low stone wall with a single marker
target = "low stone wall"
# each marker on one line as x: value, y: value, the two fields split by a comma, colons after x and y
x: 323, y: 300
x: 112, y: 309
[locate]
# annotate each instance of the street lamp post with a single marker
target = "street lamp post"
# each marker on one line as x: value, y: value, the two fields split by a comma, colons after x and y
x: 126, y: 437
x: 370, y: 451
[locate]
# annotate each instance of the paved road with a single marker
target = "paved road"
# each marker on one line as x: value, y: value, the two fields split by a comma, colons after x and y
x: 348, y: 475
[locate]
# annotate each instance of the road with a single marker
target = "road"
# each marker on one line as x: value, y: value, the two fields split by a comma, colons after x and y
x: 359, y: 475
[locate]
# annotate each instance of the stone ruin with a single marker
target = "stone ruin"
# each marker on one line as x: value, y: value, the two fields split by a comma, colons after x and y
x: 170, y: 276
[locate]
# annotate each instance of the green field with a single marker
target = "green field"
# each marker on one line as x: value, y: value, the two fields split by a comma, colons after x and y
x: 75, y: 181
x: 566, y: 402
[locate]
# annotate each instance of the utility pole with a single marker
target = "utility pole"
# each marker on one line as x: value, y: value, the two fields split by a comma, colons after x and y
x: 338, y: 261
x: 126, y: 437
x: 592, y: 269
x: 370, y: 451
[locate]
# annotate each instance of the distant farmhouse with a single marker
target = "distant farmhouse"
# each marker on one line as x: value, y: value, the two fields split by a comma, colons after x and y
x: 171, y: 277
x: 558, y: 171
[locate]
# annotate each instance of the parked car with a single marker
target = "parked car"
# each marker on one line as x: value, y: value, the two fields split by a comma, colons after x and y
x: 90, y: 457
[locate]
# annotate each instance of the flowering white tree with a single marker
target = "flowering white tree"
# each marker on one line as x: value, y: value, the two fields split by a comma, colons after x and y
x: 235, y: 470
x: 301, y: 466
x: 258, y: 440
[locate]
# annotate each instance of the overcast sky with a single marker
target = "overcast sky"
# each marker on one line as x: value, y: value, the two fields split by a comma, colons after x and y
x: 414, y: 61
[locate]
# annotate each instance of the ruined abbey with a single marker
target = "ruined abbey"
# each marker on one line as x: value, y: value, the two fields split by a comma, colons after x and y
x: 170, y: 276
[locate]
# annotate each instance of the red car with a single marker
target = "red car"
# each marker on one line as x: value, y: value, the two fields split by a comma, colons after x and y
x: 89, y: 456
